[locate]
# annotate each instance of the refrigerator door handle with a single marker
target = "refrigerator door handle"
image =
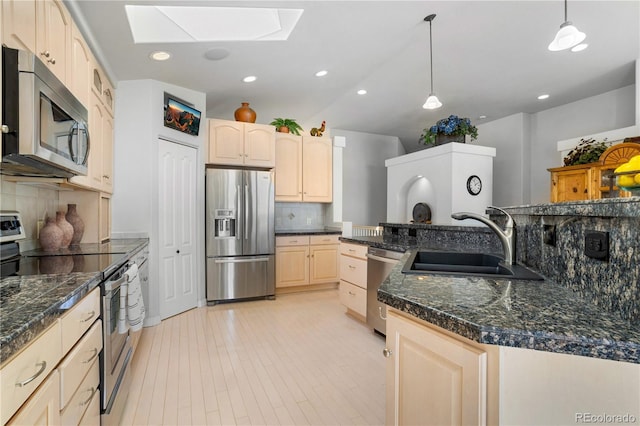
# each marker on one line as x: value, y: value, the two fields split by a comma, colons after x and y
x: 256, y: 259
x: 237, y: 210
x: 246, y: 212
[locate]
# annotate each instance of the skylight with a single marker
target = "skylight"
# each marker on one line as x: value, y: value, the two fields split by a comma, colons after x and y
x: 183, y: 24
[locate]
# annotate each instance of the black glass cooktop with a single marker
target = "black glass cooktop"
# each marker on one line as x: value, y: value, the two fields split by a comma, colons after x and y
x: 63, y: 264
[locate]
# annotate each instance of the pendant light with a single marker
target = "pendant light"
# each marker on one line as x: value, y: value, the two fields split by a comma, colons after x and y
x: 432, y: 101
x: 568, y: 35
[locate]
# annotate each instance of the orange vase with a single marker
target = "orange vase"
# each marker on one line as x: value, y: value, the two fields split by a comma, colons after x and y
x: 245, y: 114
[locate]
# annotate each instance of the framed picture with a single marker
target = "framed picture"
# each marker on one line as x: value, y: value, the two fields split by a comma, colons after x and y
x: 181, y: 117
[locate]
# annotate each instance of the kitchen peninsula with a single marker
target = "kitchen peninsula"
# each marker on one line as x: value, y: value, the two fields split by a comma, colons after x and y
x: 570, y: 344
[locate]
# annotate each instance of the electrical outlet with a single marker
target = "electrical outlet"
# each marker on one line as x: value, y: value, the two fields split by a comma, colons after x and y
x: 308, y: 221
x: 549, y: 234
x: 39, y: 226
x: 596, y: 244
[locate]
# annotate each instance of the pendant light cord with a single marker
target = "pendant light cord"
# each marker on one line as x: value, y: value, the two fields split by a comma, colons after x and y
x: 431, y: 54
x: 565, y: 10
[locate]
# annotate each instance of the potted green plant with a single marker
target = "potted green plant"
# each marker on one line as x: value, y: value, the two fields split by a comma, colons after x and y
x: 587, y: 151
x: 286, y: 125
x: 450, y: 129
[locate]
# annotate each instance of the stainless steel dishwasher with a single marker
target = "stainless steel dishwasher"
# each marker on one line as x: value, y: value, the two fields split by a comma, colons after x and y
x: 380, y: 262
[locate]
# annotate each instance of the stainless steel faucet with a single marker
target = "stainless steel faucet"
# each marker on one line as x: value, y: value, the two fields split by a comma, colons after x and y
x: 507, y: 236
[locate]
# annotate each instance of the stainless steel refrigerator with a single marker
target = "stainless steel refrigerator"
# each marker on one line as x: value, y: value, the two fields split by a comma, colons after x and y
x: 240, y: 241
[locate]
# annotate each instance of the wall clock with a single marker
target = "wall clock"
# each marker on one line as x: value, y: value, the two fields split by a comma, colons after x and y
x: 474, y: 185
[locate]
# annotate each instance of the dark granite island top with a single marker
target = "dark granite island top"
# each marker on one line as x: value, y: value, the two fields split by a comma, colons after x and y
x: 540, y: 315
x: 30, y: 304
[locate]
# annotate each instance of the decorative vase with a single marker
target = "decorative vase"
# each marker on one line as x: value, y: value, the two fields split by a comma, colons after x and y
x: 283, y: 129
x: 245, y: 114
x: 51, y: 235
x: 67, y: 229
x: 76, y: 222
x: 444, y: 139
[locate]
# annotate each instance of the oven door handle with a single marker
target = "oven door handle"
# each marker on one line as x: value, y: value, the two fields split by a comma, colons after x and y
x: 114, y: 285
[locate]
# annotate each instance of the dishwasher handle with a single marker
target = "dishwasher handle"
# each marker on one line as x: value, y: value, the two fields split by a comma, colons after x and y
x: 382, y: 259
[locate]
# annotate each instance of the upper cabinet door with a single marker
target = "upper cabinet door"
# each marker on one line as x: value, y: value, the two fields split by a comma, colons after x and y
x: 226, y: 144
x: 53, y: 36
x: 259, y: 145
x: 19, y: 24
x: 288, y: 167
x: 317, y: 169
x: 80, y: 67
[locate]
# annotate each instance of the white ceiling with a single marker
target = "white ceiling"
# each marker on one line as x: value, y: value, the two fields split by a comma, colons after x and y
x: 490, y: 58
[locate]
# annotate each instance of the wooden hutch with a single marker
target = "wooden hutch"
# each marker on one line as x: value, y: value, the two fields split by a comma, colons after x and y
x: 594, y: 180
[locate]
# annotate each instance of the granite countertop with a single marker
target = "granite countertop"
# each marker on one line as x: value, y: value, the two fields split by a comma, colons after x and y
x: 540, y: 315
x: 30, y: 304
x: 316, y: 231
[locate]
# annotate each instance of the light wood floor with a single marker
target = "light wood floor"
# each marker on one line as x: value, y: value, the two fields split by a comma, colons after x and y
x: 298, y: 360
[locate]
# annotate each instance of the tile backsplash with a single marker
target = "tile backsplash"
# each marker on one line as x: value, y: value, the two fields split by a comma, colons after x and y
x: 294, y: 216
x: 33, y: 203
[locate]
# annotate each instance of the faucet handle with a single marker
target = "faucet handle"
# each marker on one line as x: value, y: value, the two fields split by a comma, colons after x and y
x: 509, y: 223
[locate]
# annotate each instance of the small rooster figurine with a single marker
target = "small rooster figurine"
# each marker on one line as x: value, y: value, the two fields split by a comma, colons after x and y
x: 317, y: 132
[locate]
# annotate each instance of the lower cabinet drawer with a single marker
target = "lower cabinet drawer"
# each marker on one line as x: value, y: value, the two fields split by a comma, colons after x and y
x: 83, y: 397
x: 75, y: 365
x: 22, y: 375
x: 353, y: 270
x: 42, y: 407
x: 79, y: 319
x: 92, y: 415
x: 353, y: 297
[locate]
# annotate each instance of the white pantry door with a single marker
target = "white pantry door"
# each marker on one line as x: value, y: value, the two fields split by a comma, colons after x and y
x: 177, y: 223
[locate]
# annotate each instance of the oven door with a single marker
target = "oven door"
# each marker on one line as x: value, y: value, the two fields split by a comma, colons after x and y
x: 116, y: 338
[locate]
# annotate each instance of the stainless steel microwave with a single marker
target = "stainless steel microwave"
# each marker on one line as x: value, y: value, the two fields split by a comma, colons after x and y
x: 44, y: 127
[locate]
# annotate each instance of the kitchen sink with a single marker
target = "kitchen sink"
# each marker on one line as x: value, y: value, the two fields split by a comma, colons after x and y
x: 465, y: 264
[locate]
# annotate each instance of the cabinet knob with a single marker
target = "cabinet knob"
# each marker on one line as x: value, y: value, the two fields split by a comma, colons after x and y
x: 46, y: 53
x: 575, y: 189
x: 178, y: 251
x: 387, y: 353
x: 5, y: 128
x: 52, y: 61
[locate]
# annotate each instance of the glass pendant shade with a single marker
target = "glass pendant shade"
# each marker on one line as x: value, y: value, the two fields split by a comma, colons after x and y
x: 432, y: 102
x: 567, y: 37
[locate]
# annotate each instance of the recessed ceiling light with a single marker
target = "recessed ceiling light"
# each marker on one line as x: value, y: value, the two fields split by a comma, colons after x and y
x: 321, y: 73
x: 250, y: 79
x: 482, y: 117
x: 160, y: 55
x: 362, y: 92
x: 545, y: 96
x: 580, y: 47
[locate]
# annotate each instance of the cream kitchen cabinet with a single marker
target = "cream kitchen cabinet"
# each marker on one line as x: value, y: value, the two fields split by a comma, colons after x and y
x: 19, y: 24
x: 305, y: 260
x: 42, y: 407
x: 42, y: 27
x: 100, y: 164
x: 53, y: 36
x: 21, y: 375
x: 53, y: 376
x: 304, y: 169
x: 242, y: 144
x: 80, y: 67
x: 435, y: 376
x: 432, y: 378
x: 353, y: 279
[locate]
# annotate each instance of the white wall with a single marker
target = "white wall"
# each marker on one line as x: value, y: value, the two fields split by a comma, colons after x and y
x: 511, y: 167
x: 608, y: 111
x: 526, y: 144
x: 139, y: 123
x: 364, y: 175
